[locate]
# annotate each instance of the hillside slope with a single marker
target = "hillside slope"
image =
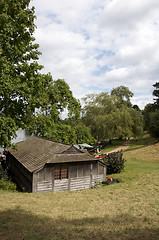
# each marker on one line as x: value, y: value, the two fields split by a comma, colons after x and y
x: 124, y: 211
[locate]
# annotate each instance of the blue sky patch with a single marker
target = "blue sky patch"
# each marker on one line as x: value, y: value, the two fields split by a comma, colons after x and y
x: 101, y: 70
x: 103, y: 53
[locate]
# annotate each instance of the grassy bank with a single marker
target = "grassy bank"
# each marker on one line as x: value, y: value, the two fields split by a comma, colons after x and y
x: 127, y: 210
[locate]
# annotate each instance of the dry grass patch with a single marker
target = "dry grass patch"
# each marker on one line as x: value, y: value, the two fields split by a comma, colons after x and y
x: 124, y: 211
x: 148, y: 153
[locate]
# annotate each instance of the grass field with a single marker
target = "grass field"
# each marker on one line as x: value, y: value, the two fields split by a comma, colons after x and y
x: 128, y: 210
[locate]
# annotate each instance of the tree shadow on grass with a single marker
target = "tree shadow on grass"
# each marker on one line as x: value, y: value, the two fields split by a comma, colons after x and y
x: 19, y: 224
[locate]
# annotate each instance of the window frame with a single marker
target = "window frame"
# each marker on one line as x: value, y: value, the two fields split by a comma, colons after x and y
x: 61, y: 172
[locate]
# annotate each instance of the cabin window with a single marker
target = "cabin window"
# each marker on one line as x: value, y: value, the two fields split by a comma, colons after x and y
x: 64, y: 173
x: 60, y: 172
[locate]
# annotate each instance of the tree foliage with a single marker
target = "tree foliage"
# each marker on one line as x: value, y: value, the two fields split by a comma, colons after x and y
x: 83, y: 134
x: 151, y: 114
x: 112, y: 116
x: 21, y: 84
x: 156, y: 94
x: 124, y: 94
x: 27, y: 97
x: 47, y: 121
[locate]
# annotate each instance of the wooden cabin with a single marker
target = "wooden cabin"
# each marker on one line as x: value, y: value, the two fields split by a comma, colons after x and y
x: 42, y: 165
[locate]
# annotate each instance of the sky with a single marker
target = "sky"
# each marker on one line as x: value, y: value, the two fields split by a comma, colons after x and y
x: 98, y: 45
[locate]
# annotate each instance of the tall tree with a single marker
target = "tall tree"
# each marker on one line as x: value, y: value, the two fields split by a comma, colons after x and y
x: 22, y: 87
x: 148, y: 113
x: 156, y: 94
x: 151, y: 114
x: 25, y: 93
x: 19, y: 70
x: 124, y: 95
x: 111, y: 116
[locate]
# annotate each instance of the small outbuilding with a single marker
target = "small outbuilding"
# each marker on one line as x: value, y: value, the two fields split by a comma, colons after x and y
x: 42, y: 165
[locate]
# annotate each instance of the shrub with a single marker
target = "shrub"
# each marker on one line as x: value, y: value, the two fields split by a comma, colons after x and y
x: 114, y: 162
x: 7, y: 185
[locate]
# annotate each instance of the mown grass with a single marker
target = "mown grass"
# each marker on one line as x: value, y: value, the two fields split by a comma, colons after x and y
x: 128, y: 210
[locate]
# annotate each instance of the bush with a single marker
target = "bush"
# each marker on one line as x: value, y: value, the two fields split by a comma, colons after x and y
x: 7, y: 185
x: 114, y: 162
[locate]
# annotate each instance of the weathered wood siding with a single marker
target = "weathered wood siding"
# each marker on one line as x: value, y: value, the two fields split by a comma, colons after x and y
x: 43, y: 180
x: 80, y: 176
x: 60, y: 185
x: 44, y: 186
x: 80, y: 183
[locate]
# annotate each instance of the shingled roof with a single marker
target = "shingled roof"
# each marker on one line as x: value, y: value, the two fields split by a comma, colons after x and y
x: 35, y: 152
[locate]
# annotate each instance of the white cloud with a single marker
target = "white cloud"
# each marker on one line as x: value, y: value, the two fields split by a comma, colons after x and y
x: 96, y: 45
x: 123, y: 15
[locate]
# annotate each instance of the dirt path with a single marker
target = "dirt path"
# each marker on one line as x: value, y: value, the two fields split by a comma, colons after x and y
x: 123, y: 147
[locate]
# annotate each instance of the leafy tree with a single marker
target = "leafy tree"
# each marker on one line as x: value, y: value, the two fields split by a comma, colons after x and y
x: 21, y: 84
x: 138, y: 122
x: 148, y: 113
x: 124, y: 95
x: 27, y: 97
x: 154, y: 127
x: 156, y: 94
x: 110, y: 116
x: 7, y: 130
x: 83, y: 134
x: 96, y: 110
x: 47, y: 121
x: 151, y: 114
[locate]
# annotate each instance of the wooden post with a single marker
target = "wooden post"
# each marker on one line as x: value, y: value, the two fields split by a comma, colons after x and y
x: 69, y: 178
x: 91, y: 175
x: 34, y: 182
x: 53, y: 181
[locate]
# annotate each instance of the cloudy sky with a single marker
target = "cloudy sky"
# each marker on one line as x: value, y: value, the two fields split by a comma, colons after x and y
x: 97, y: 45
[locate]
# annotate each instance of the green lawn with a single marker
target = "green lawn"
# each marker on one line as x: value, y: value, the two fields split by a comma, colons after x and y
x: 128, y: 210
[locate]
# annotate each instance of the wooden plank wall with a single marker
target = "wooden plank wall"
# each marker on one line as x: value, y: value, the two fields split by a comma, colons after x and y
x: 80, y: 177
x: 61, y: 185
x: 44, y: 186
x: 80, y: 183
x: 64, y: 185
